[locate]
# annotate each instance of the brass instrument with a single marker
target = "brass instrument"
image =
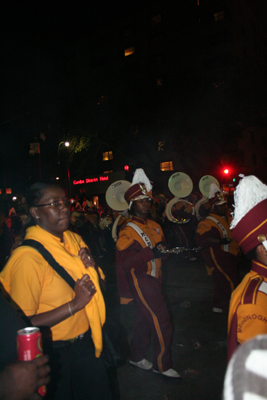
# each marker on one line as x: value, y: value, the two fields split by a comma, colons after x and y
x: 115, y: 199
x: 180, y: 185
x: 204, y: 187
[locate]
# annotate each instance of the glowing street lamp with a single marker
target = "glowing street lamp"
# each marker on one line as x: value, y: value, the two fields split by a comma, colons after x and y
x: 66, y: 144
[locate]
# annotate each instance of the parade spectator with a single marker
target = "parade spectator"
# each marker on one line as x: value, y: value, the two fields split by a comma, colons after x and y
x: 74, y: 317
x: 86, y: 203
x: 248, y: 306
x: 221, y: 252
x: 139, y: 278
x: 6, y: 241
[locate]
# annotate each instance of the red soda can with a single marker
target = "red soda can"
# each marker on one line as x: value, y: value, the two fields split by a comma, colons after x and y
x: 29, y: 346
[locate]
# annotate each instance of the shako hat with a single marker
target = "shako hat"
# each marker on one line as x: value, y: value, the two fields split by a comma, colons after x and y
x: 249, y: 223
x: 139, y: 189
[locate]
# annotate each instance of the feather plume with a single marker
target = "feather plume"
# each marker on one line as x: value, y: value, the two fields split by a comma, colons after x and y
x: 249, y: 192
x: 140, y: 177
x: 213, y: 190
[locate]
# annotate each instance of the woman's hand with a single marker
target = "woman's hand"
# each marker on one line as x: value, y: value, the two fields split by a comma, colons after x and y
x: 86, y: 258
x: 84, y: 290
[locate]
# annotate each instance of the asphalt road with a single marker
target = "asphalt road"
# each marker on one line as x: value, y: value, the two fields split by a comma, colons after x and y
x: 199, y: 336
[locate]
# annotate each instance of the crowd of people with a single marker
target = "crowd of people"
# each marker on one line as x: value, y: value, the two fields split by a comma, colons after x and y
x: 71, y: 316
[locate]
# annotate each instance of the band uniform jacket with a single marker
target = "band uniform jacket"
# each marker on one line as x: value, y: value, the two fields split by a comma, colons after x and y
x: 248, y: 308
x: 132, y: 253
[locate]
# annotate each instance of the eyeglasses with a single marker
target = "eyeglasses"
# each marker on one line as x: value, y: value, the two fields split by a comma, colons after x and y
x: 56, y: 203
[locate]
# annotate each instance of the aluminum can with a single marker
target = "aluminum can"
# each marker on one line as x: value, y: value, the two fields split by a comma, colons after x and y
x: 29, y: 346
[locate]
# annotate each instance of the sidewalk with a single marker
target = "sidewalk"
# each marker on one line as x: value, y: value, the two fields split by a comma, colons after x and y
x: 199, y: 339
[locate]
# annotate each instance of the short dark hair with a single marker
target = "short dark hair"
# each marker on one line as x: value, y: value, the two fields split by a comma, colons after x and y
x: 36, y: 191
x: 33, y: 195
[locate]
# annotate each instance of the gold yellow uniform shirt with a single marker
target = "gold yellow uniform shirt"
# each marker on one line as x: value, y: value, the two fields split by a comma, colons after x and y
x: 37, y: 288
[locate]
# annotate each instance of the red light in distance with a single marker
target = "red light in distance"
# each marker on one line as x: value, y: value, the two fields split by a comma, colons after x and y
x: 126, y: 167
x: 226, y: 171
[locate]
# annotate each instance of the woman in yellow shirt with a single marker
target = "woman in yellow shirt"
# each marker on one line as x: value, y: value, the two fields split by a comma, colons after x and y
x: 75, y: 317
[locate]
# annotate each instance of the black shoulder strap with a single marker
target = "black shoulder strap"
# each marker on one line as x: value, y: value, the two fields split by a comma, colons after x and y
x: 50, y: 259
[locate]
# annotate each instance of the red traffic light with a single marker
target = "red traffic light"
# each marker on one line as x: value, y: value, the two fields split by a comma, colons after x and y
x: 226, y: 171
x: 126, y: 167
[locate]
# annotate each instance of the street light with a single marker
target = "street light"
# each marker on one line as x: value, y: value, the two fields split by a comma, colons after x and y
x: 66, y: 144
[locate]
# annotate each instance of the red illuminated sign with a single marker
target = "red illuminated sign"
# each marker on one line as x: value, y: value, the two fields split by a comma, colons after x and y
x: 91, y: 180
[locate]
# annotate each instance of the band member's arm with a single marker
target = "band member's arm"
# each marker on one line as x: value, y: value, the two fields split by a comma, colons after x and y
x: 133, y: 255
x: 207, y: 236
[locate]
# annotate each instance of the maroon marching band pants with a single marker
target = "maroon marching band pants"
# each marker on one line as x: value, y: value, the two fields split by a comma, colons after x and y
x: 152, y: 317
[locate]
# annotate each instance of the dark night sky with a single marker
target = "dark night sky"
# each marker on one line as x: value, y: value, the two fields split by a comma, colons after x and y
x: 37, y: 80
x: 35, y: 38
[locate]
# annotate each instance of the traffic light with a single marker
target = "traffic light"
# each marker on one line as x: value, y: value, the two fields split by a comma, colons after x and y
x: 126, y: 167
x: 226, y: 171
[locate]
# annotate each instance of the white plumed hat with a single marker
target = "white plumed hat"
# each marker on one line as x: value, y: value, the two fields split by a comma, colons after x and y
x: 249, y: 192
x: 139, y: 189
x: 249, y: 222
x: 213, y: 190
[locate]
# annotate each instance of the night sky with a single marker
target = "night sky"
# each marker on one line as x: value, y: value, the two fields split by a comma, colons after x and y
x: 35, y: 37
x: 35, y: 42
x: 37, y: 80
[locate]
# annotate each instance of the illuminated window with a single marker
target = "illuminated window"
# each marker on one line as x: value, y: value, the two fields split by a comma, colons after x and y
x: 129, y: 51
x: 161, y: 145
x: 8, y: 191
x: 107, y: 155
x: 96, y: 201
x: 219, y: 16
x: 156, y: 19
x: 166, y: 166
x: 102, y: 99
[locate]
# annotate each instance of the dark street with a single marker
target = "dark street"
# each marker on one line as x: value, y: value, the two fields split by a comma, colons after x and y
x: 199, y: 341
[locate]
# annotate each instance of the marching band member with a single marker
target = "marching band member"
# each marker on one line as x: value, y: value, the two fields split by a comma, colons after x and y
x: 139, y: 278
x: 221, y: 252
x: 248, y: 306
